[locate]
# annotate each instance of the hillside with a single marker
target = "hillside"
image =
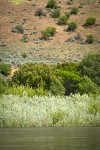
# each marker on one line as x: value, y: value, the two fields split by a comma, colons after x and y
x: 62, y: 47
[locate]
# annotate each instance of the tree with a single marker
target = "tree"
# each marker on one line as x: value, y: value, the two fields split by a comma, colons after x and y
x: 90, y: 66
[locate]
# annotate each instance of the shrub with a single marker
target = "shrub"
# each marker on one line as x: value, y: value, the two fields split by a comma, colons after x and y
x: 90, y: 66
x: 5, y: 69
x: 24, y: 55
x: 2, y: 85
x: 72, y: 26
x: 52, y: 4
x: 90, y: 39
x: 74, y: 10
x: 67, y: 15
x: 40, y: 111
x: 19, y: 28
x: 40, y: 76
x: 39, y: 12
x: 45, y: 35
x: 90, y: 21
x: 55, y: 13
x: 21, y: 90
x: 50, y: 31
x: 62, y: 20
x: 70, y: 75
x: 86, y: 86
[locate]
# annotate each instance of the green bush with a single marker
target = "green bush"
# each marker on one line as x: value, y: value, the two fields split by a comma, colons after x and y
x: 52, y: 4
x: 90, y: 39
x: 2, y: 85
x: 45, y: 35
x: 40, y: 76
x: 62, y: 20
x: 90, y: 66
x: 55, y: 13
x: 90, y: 21
x: 70, y: 75
x: 21, y: 90
x: 72, y: 26
x: 19, y: 28
x: 50, y: 31
x: 86, y: 86
x: 5, y: 69
x: 74, y: 10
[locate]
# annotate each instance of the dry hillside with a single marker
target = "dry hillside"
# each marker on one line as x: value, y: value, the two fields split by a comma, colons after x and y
x: 62, y: 47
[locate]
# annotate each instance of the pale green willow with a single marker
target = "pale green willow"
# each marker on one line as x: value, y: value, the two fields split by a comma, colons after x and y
x: 37, y: 111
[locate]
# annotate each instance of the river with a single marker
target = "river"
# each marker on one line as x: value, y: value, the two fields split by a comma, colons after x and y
x: 52, y: 138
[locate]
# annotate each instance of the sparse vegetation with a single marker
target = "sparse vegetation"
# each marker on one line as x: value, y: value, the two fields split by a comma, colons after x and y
x: 19, y: 28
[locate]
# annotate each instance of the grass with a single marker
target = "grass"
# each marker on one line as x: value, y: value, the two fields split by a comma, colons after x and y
x: 17, y: 1
x: 40, y: 111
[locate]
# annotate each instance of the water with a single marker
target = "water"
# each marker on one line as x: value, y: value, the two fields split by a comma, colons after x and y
x: 55, y: 138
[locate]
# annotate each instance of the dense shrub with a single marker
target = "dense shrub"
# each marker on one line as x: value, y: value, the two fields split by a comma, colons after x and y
x: 52, y: 4
x: 21, y: 90
x: 90, y: 66
x: 5, y: 69
x: 50, y: 31
x: 40, y: 111
x: 71, y: 78
x: 74, y: 10
x: 19, y: 28
x: 90, y: 39
x: 55, y: 13
x: 2, y: 85
x: 39, y: 76
x: 72, y: 26
x: 90, y: 21
x: 86, y: 86
x: 62, y: 20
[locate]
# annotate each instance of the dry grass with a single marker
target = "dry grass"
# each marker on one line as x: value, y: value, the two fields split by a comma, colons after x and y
x: 56, y: 49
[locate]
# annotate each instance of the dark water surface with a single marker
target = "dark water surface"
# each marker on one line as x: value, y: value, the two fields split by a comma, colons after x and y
x: 55, y: 138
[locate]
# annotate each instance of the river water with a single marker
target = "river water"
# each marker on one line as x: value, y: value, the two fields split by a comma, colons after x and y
x: 54, y: 138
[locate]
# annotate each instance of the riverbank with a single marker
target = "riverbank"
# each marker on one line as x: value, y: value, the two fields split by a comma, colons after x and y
x: 45, y: 111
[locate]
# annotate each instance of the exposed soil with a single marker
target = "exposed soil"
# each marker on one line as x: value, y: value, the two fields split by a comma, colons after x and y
x: 56, y: 49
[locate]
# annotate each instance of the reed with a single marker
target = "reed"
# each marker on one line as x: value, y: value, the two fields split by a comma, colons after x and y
x: 40, y: 111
